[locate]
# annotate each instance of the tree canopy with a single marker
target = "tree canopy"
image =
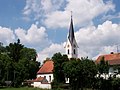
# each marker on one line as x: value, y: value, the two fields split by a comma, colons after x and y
x: 17, y: 63
x: 81, y: 72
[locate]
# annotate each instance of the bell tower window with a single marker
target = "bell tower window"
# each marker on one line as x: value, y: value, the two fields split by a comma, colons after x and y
x: 68, y: 51
x: 74, y: 51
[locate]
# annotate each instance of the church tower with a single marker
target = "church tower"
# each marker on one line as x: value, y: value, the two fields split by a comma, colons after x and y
x: 71, y: 44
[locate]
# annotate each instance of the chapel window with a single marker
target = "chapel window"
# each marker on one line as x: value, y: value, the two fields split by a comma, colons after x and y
x: 49, y: 78
x: 74, y: 51
x: 68, y: 51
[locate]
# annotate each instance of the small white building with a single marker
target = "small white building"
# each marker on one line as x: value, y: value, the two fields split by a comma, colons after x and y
x: 41, y: 82
x: 44, y: 75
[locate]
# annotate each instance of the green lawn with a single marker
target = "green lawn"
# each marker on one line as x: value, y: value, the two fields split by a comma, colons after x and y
x: 22, y: 88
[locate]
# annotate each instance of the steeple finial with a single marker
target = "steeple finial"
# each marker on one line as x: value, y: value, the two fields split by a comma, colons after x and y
x: 71, y: 14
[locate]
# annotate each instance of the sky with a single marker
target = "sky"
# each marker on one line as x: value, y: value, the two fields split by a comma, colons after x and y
x: 44, y: 24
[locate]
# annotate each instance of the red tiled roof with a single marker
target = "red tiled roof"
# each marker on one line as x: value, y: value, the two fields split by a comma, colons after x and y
x: 39, y: 79
x: 43, y: 80
x: 113, y: 59
x: 47, y: 67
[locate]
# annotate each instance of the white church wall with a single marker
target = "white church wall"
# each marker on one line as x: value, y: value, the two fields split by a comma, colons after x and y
x: 49, y: 77
x: 37, y: 84
x: 42, y: 85
x: 71, y: 48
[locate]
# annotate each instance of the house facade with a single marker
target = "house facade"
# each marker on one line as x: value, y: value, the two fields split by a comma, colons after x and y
x: 113, y: 60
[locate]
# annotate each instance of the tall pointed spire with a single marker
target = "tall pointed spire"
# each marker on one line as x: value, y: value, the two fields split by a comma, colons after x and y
x: 71, y: 35
x: 71, y: 44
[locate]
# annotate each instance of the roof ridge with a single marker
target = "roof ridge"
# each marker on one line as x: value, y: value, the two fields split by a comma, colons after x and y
x: 110, y: 54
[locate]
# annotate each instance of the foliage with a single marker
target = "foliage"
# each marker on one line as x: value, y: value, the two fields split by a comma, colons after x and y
x: 80, y: 72
x: 72, y: 71
x: 103, y: 67
x: 88, y: 72
x: 14, y: 50
x: 58, y: 71
x: 116, y: 83
x: 17, y: 63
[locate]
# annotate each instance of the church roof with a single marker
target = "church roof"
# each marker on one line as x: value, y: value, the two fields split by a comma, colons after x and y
x: 39, y: 79
x: 46, y: 68
x: 71, y: 35
x: 113, y: 58
x: 43, y: 80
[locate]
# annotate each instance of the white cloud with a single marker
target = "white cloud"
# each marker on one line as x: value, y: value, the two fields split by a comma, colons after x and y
x: 110, y: 17
x: 33, y: 37
x: 93, y: 41
x: 83, y: 11
x: 49, y: 51
x: 39, y: 8
x: 55, y: 14
x: 6, y: 35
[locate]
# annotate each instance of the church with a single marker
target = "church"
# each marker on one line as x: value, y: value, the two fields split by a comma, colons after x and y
x: 45, y: 73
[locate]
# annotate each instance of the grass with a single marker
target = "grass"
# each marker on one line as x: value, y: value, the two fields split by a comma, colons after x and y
x: 22, y: 88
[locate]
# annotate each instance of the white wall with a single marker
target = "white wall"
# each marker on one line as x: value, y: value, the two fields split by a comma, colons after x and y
x: 37, y: 84
x: 47, y: 77
x: 111, y: 73
x: 71, y: 49
x: 40, y: 85
x: 66, y: 80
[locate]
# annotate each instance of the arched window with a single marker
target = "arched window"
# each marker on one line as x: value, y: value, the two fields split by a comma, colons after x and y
x: 74, y: 51
x: 68, y: 51
x: 49, y: 78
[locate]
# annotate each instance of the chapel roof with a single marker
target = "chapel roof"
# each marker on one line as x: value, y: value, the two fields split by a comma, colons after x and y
x: 46, y: 68
x: 113, y: 58
x: 43, y: 80
x: 39, y: 79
